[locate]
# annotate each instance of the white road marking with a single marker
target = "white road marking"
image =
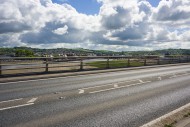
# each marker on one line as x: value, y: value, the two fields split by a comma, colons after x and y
x: 97, y: 86
x: 103, y: 90
x: 117, y: 87
x: 11, y: 100
x: 107, y: 85
x: 81, y: 91
x: 32, y: 100
x: 141, y: 81
x: 17, y: 106
x: 160, y: 78
x: 127, y: 81
x: 175, y: 76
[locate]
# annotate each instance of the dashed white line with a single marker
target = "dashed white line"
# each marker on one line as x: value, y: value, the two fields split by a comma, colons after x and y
x: 32, y: 100
x: 117, y: 87
x: 16, y: 106
x: 175, y: 76
x: 81, y: 91
x: 103, y: 90
x: 141, y: 81
x: 160, y: 78
x: 11, y: 100
x: 106, y: 85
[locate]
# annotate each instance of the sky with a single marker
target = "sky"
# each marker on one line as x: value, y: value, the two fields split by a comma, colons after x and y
x: 118, y: 25
x: 91, y: 7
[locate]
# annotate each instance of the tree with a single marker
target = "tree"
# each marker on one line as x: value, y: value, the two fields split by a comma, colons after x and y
x: 24, y: 53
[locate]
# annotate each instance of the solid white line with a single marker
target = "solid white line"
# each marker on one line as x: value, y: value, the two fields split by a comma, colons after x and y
x: 81, y: 91
x: 32, y: 100
x: 17, y: 106
x: 151, y: 123
x: 11, y: 100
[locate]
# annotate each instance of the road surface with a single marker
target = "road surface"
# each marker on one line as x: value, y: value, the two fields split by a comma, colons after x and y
x: 114, y: 99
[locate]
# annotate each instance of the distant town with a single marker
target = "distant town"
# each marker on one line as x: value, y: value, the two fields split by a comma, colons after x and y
x: 62, y: 52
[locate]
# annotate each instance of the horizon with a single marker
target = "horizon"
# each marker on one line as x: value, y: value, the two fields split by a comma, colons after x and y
x: 122, y: 25
x: 98, y: 49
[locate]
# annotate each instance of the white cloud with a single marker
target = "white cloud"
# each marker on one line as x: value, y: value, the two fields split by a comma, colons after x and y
x: 61, y: 31
x: 119, y: 25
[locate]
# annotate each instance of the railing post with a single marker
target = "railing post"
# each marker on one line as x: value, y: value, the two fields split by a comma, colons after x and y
x: 108, y: 63
x: 46, y: 65
x: 0, y: 68
x: 144, y: 61
x: 81, y: 64
x: 128, y: 62
x: 179, y: 59
x: 187, y: 59
x: 158, y: 61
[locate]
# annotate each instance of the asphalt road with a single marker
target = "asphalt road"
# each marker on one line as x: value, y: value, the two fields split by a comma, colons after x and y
x: 115, y: 99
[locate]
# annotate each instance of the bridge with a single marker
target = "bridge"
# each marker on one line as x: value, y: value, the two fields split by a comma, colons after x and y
x: 130, y: 96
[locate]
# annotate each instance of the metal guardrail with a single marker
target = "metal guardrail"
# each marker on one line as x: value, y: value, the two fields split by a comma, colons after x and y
x: 25, y: 65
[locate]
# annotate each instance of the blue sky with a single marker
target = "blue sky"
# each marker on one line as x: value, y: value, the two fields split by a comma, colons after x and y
x: 83, y: 6
x: 91, y: 6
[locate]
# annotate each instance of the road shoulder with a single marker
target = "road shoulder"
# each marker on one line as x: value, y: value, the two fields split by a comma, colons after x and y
x: 176, y: 118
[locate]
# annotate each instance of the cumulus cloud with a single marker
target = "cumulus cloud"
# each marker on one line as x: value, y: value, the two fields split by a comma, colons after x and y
x: 120, y: 24
x: 172, y: 10
x: 61, y: 31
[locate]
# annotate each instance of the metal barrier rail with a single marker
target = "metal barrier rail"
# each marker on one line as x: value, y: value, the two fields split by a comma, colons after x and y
x: 77, y: 63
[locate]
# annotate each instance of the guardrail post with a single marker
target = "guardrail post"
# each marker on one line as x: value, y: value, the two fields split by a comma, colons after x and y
x: 158, y: 61
x: 145, y: 62
x: 81, y: 64
x: 128, y: 62
x: 0, y: 68
x: 179, y: 59
x: 108, y: 63
x: 46, y: 65
x: 187, y: 59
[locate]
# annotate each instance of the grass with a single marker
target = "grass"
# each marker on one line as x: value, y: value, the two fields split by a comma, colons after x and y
x: 186, y: 115
x: 168, y: 125
x: 114, y: 63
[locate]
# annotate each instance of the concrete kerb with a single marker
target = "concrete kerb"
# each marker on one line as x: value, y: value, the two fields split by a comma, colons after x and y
x: 170, y: 118
x: 43, y: 76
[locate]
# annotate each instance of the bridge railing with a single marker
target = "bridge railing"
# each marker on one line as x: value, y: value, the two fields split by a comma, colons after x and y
x: 28, y: 65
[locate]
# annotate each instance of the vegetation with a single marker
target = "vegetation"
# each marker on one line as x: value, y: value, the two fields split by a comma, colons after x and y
x: 114, y: 64
x: 186, y: 115
x: 83, y: 52
x: 24, y: 53
x: 168, y: 125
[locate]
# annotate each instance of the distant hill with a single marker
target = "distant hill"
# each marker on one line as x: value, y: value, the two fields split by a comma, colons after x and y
x: 84, y: 52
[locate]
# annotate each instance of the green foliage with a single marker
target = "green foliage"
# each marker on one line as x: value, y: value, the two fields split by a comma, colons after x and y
x: 168, y: 125
x: 24, y: 53
x: 114, y: 63
x: 82, y: 52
